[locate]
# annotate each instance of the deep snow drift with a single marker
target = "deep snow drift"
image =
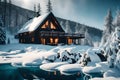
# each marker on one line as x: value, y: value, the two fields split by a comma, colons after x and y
x: 36, y: 54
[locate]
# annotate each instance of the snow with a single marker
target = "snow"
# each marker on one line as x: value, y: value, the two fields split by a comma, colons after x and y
x: 51, y: 58
x: 92, y: 53
x: 108, y: 78
x: 91, y: 69
x: 33, y: 24
x: 52, y: 66
x: 35, y: 54
x: 70, y: 69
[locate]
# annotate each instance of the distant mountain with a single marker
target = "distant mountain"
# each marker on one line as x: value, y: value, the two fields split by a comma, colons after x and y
x: 15, y: 16
x: 19, y: 16
x: 95, y: 33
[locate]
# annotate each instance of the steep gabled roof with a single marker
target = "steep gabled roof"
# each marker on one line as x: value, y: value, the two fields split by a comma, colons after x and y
x: 33, y: 24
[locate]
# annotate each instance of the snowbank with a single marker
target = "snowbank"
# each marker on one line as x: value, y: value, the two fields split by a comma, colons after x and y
x: 52, y: 66
x: 70, y: 69
x: 108, y: 78
x: 36, y: 54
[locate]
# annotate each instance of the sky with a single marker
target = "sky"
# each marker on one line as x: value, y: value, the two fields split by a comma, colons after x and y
x: 88, y: 12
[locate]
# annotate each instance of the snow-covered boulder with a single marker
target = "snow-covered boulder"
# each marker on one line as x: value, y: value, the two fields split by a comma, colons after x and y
x: 70, y: 69
x: 52, y: 66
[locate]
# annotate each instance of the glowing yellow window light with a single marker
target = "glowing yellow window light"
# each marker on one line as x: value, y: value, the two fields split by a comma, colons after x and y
x: 69, y: 41
x: 42, y: 40
x: 56, y: 41
x: 52, y: 26
x: 51, y: 40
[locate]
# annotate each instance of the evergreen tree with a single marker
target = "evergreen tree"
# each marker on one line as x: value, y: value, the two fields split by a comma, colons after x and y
x: 0, y: 8
x: 39, y: 10
x: 35, y: 10
x: 108, y: 28
x: 82, y: 29
x: 88, y: 39
x: 9, y: 22
x: 49, y: 6
x: 77, y: 28
x: 4, y: 13
x: 2, y: 32
x: 67, y: 27
x: 108, y: 22
x: 117, y: 19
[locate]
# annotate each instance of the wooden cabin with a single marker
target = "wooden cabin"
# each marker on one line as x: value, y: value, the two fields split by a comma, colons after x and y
x: 46, y: 30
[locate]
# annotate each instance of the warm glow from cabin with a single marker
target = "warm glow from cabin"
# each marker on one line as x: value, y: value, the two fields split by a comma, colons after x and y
x: 32, y: 39
x: 51, y: 40
x: 70, y: 41
x: 56, y: 41
x: 42, y: 40
x: 52, y: 26
x: 45, y: 25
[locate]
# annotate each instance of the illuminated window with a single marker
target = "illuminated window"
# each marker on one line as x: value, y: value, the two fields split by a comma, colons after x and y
x: 52, y: 26
x: 42, y: 40
x: 32, y: 39
x: 70, y: 41
x: 45, y: 25
x: 56, y: 40
x: 51, y: 40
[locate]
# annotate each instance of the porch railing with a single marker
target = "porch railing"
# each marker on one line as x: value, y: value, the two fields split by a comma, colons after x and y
x: 61, y: 34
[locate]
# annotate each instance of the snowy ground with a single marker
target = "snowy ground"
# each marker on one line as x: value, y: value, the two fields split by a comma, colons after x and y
x: 37, y: 54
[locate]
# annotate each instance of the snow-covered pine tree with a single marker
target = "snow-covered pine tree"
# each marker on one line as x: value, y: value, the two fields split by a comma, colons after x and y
x: 117, y: 19
x: 2, y: 32
x: 39, y: 10
x: 49, y: 6
x: 108, y: 22
x: 67, y: 27
x: 112, y: 49
x: 35, y: 10
x: 82, y: 31
x: 108, y: 28
x: 4, y: 12
x: 77, y: 28
x: 9, y: 22
x: 88, y: 39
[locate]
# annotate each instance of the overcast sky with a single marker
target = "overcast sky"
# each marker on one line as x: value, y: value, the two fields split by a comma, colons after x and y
x: 89, y: 12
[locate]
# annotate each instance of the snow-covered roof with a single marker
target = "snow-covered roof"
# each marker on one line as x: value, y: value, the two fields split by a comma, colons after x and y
x: 33, y: 24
